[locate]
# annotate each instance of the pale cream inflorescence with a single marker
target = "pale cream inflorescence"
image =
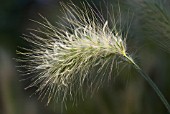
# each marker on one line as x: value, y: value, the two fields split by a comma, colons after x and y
x: 64, y: 59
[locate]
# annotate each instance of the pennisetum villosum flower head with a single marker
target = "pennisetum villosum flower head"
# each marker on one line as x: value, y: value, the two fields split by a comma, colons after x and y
x: 79, y: 54
x: 65, y: 58
x: 155, y: 21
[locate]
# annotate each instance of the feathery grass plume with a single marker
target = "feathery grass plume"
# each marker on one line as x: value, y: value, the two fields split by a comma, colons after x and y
x: 83, y: 51
x: 155, y: 23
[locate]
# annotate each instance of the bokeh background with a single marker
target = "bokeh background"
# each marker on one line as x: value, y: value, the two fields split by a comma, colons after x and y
x: 148, y: 38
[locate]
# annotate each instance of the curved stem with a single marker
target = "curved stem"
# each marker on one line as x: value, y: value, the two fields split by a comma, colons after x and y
x: 151, y: 83
x: 156, y: 89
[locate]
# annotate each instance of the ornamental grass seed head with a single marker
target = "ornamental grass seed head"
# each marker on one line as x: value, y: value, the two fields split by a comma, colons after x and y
x: 79, y: 54
x: 155, y: 23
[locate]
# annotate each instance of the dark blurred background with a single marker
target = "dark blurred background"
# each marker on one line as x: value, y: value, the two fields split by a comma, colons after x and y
x: 148, y: 37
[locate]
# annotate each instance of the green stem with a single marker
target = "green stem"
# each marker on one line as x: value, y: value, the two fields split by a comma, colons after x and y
x: 151, y: 83
x: 154, y: 86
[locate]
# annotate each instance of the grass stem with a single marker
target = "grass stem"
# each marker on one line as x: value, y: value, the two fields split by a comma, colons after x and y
x: 151, y: 83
